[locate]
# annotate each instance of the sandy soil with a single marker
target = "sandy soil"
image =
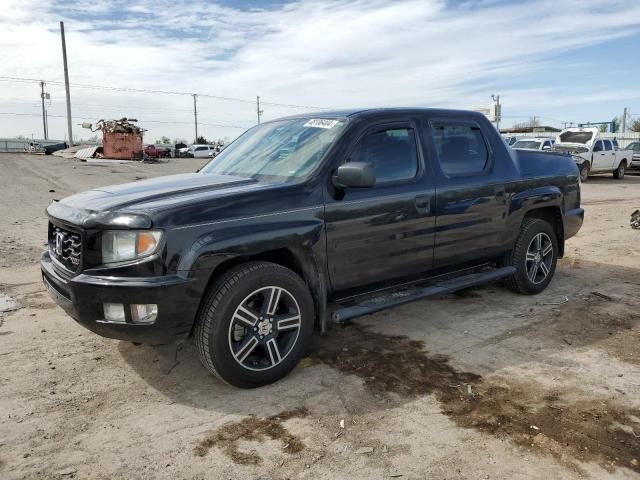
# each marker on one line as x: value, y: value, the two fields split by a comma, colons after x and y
x: 482, y: 384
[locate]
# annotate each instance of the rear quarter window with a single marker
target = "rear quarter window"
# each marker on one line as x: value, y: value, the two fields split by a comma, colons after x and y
x: 461, y: 148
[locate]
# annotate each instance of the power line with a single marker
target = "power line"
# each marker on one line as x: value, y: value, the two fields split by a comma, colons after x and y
x: 151, y: 91
x: 140, y: 120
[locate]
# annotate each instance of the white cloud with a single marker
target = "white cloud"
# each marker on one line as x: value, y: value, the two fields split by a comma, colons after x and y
x: 325, y: 53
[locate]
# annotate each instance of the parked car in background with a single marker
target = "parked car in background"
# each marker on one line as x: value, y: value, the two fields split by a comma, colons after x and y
x: 200, y: 151
x: 305, y: 219
x: 180, y: 150
x: 635, y: 156
x: 510, y: 140
x: 592, y: 153
x: 158, y: 151
x: 533, y: 144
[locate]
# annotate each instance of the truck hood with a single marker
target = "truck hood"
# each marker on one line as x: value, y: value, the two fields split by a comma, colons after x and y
x: 142, y: 197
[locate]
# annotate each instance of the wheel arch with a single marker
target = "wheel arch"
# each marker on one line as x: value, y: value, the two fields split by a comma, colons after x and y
x: 308, y: 267
x: 553, y: 216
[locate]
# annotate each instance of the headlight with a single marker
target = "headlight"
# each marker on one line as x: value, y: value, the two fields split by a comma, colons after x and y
x: 122, y: 245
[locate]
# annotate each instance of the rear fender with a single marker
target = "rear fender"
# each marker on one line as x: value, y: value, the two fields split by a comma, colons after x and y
x: 543, y: 202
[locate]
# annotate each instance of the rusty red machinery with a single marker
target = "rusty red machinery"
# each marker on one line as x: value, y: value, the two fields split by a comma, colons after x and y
x: 121, y: 139
x: 122, y: 146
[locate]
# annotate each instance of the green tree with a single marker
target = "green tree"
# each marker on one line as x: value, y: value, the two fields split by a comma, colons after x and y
x: 635, y: 126
x: 603, y: 128
x: 615, y: 124
x: 201, y: 140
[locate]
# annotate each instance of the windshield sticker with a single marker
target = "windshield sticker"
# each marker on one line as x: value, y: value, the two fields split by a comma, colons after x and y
x: 321, y: 123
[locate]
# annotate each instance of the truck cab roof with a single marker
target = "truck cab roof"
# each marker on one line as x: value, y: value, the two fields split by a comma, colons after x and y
x: 363, y: 113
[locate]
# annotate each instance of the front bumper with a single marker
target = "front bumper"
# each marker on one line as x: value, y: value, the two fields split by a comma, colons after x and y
x: 635, y: 163
x: 83, y: 296
x: 572, y: 221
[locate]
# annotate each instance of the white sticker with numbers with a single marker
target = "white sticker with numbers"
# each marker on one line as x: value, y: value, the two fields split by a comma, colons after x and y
x: 321, y: 123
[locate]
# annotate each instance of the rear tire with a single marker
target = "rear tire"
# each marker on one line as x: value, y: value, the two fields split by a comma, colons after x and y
x: 254, y: 324
x: 618, y: 174
x: 534, y: 256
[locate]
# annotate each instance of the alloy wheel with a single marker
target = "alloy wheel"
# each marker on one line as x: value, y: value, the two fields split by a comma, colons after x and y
x: 539, y: 258
x: 264, y: 328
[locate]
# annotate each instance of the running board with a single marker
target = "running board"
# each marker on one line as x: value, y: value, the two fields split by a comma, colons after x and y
x: 376, y: 304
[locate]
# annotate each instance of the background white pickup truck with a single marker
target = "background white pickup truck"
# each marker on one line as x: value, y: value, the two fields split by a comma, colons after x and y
x: 592, y: 153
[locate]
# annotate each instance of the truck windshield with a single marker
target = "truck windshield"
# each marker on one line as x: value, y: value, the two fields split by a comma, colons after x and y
x: 527, y: 144
x: 576, y: 137
x: 282, y: 150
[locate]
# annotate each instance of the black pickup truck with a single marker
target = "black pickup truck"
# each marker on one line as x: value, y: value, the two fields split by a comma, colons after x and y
x: 306, y: 220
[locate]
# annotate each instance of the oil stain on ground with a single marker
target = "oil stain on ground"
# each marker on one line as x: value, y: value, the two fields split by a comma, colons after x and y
x: 228, y: 437
x: 527, y: 413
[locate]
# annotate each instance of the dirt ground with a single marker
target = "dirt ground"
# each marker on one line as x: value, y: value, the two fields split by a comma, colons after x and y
x: 482, y: 384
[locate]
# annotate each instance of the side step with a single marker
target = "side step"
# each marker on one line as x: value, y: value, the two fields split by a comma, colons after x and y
x: 376, y: 304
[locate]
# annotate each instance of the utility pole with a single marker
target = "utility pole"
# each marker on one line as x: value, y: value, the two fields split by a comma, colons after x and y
x: 260, y: 112
x: 66, y: 83
x: 624, y: 119
x: 44, y: 115
x: 498, y: 110
x: 195, y: 115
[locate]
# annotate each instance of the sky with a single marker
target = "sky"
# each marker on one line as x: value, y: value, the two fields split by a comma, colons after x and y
x: 562, y: 61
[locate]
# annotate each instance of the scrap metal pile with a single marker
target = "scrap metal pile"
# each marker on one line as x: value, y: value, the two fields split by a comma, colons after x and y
x: 124, y: 125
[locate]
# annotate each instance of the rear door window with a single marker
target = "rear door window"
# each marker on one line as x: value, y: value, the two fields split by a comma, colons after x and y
x: 607, y: 145
x: 460, y: 147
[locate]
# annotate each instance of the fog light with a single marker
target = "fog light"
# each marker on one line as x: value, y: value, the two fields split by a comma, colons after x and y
x: 114, y: 312
x: 144, y: 313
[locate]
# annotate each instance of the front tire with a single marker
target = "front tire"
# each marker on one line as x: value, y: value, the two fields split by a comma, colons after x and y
x: 534, y: 256
x: 584, y: 171
x: 254, y: 324
x: 618, y: 174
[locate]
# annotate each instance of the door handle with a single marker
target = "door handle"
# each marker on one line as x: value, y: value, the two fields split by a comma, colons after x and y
x: 423, y: 204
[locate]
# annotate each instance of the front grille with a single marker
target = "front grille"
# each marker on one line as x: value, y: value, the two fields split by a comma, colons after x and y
x: 65, y: 246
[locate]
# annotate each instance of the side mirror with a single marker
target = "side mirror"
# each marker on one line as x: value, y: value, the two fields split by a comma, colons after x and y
x: 354, y: 174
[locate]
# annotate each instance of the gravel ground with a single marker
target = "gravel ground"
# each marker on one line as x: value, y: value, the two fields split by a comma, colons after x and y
x: 482, y: 384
